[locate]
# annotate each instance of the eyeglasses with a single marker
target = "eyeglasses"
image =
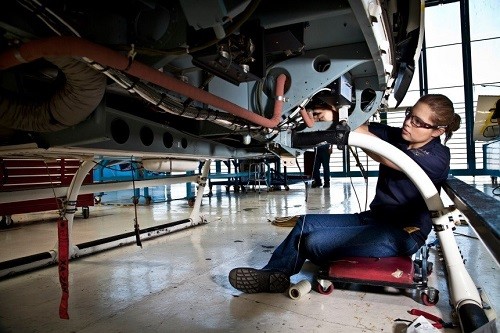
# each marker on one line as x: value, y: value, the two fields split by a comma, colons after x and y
x: 417, y: 122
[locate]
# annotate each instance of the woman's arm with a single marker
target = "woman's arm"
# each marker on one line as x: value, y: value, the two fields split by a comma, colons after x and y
x: 363, y: 129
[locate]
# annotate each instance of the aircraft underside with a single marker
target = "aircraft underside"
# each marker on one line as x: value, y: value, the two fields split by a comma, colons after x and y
x: 192, y: 80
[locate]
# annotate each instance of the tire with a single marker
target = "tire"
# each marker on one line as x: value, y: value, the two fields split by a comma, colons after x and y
x: 324, y: 290
x: 6, y: 222
x: 85, y: 212
x: 430, y: 297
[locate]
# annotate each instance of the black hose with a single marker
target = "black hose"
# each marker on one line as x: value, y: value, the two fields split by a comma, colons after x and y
x: 338, y: 136
x: 471, y: 317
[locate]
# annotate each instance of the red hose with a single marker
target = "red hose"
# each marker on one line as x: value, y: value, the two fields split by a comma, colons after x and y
x: 77, y: 47
x: 308, y: 119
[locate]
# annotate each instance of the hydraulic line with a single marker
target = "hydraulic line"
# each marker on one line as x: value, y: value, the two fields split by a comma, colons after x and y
x: 165, y: 103
x: 76, y: 47
x: 151, y: 95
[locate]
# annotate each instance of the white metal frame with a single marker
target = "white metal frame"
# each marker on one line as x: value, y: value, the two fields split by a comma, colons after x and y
x: 461, y: 286
x: 72, y: 192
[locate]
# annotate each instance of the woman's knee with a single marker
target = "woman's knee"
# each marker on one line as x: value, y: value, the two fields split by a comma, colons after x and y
x: 409, y: 246
x: 313, y: 248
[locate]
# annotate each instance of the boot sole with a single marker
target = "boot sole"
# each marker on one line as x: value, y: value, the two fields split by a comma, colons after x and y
x: 251, y: 281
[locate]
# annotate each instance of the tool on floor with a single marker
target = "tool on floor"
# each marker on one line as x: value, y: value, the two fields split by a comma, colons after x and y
x: 285, y: 221
x: 296, y: 291
x: 437, y: 322
x: 419, y: 325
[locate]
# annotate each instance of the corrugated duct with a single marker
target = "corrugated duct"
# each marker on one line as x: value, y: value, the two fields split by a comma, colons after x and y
x: 82, y: 92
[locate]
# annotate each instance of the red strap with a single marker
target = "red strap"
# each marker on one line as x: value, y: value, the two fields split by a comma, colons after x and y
x: 63, y: 253
x: 438, y: 322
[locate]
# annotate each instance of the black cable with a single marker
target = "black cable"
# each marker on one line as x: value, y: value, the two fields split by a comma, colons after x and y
x: 302, y: 176
x: 136, y: 200
x: 355, y: 193
x: 495, y: 189
x: 61, y: 210
x: 460, y: 234
x: 350, y: 177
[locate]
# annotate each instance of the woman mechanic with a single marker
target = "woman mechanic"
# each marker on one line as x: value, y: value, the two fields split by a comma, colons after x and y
x: 398, y: 221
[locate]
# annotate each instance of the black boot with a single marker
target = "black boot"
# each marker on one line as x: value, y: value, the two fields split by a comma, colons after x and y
x: 316, y: 184
x: 251, y: 280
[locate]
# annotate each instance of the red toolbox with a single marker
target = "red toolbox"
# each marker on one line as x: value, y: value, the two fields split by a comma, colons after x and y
x: 32, y: 174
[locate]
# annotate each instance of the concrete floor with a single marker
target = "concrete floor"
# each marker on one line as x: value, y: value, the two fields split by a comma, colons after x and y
x: 178, y: 282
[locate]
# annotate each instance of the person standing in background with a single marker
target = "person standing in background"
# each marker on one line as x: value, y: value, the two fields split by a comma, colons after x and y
x: 323, y: 152
x: 496, y: 113
x: 322, y: 158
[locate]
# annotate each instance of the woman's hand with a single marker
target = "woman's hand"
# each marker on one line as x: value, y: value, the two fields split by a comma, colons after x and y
x: 364, y: 129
